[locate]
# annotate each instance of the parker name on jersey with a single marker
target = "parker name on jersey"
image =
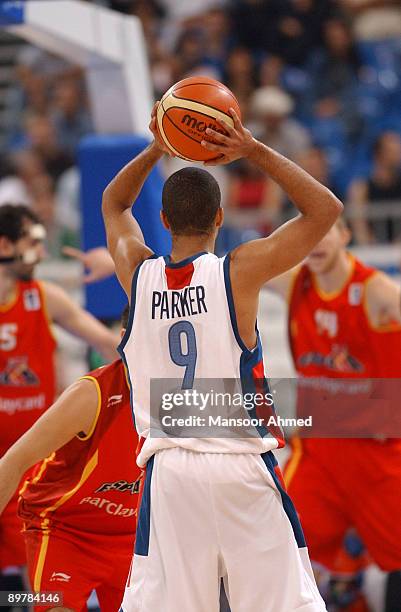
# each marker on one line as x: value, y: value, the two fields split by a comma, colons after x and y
x: 174, y: 304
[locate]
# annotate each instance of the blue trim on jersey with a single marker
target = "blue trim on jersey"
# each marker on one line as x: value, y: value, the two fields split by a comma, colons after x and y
x: 184, y: 262
x: 143, y: 525
x: 128, y: 330
x: 131, y: 313
x: 270, y: 462
x: 230, y: 300
x: 249, y: 359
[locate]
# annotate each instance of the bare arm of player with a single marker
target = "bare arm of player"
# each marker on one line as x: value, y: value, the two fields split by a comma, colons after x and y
x: 383, y: 301
x: 98, y: 262
x: 124, y: 236
x: 75, y: 411
x: 74, y: 319
x: 258, y: 261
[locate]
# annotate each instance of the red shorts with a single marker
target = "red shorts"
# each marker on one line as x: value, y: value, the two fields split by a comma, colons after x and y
x: 12, y: 547
x: 340, y: 484
x: 75, y: 563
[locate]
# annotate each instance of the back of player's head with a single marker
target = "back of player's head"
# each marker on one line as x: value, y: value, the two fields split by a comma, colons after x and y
x: 191, y: 198
x: 12, y: 218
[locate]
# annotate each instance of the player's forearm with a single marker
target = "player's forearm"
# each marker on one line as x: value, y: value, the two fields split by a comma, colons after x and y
x: 100, y: 337
x: 108, y: 347
x: 10, y: 476
x: 309, y: 196
x: 123, y: 190
x: 95, y: 334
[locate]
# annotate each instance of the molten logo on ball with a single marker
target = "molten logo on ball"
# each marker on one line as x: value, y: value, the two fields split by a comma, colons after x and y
x: 188, y: 109
x: 200, y: 126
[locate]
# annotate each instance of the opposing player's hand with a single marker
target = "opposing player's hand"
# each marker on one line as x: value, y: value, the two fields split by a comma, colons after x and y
x: 97, y: 261
x: 237, y: 141
x: 158, y: 142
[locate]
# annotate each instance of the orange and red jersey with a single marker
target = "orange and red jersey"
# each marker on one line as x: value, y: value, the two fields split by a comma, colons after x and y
x: 351, y: 480
x: 331, y: 334
x: 27, y: 370
x: 91, y: 484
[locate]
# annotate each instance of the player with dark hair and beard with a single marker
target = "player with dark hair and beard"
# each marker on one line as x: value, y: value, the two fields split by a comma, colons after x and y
x: 27, y: 350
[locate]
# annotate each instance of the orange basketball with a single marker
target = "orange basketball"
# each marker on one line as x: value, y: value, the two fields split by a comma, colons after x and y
x: 187, y: 109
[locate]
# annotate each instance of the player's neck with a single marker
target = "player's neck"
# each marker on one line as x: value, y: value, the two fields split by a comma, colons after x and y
x: 335, y: 278
x: 186, y: 246
x: 7, y: 286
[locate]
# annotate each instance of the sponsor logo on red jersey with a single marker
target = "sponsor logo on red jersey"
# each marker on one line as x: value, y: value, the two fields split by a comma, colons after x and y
x: 17, y: 373
x: 120, y: 485
x: 338, y: 360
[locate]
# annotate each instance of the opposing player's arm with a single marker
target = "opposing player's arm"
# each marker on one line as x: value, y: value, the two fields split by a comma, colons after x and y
x: 124, y: 236
x: 75, y: 411
x: 383, y: 300
x: 71, y: 317
x: 258, y: 261
x: 97, y: 262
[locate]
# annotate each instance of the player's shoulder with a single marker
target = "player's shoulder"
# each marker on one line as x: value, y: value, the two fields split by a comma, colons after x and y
x: 378, y: 284
x: 51, y: 290
x: 362, y: 272
x: 106, y: 372
x: 382, y: 299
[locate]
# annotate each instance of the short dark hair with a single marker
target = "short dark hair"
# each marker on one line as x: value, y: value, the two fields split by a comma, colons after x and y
x: 124, y: 317
x: 191, y: 198
x: 12, y: 217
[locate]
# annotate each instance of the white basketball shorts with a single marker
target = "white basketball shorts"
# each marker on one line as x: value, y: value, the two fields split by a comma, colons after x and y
x: 207, y: 516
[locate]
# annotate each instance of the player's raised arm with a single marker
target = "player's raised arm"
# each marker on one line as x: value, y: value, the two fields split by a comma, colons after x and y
x: 258, y: 261
x: 72, y: 413
x: 124, y: 236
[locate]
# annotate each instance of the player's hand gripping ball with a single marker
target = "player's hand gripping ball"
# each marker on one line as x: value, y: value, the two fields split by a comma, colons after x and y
x: 187, y: 110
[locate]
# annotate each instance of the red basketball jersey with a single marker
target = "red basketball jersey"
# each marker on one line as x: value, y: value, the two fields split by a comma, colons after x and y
x: 27, y: 372
x: 92, y: 482
x: 331, y: 335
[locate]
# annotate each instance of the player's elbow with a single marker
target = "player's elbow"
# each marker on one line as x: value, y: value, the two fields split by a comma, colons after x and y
x: 334, y: 206
x: 106, y: 200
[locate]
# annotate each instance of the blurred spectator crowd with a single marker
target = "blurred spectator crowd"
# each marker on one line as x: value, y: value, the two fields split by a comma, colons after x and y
x: 318, y: 80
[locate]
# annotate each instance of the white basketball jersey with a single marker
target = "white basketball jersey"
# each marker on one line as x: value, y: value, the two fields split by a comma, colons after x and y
x: 182, y: 326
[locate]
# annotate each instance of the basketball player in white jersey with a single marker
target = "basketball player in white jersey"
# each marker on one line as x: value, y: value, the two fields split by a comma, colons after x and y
x: 212, y: 507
